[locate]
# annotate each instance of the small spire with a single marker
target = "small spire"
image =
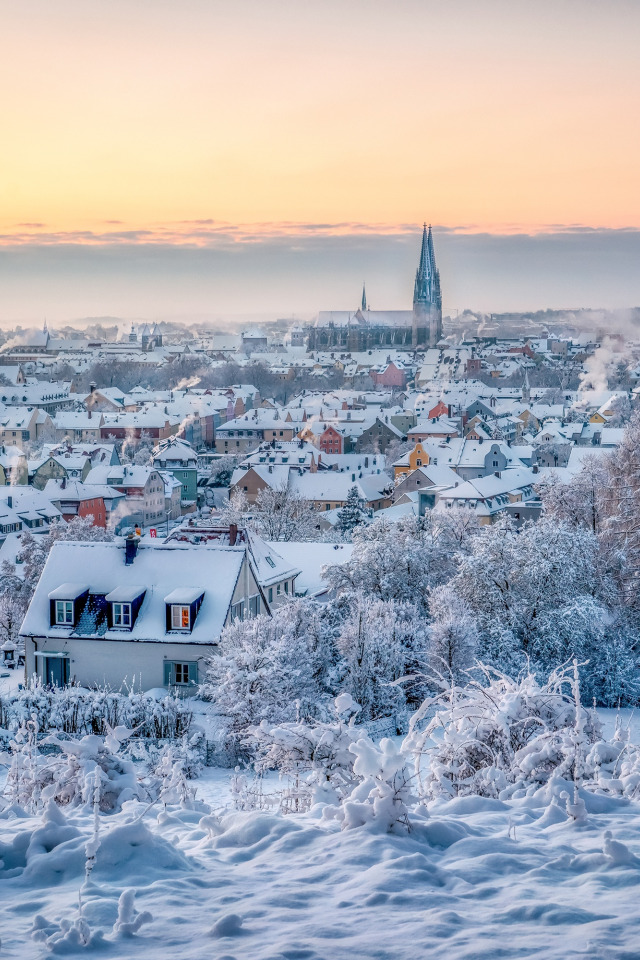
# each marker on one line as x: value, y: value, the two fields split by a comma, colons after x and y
x: 364, y: 297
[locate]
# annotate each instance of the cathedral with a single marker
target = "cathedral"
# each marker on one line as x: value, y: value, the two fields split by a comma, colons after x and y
x: 364, y: 329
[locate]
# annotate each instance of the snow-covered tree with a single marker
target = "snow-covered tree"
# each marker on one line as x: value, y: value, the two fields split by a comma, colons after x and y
x: 453, y: 635
x: 622, y: 509
x: 581, y: 501
x: 513, y: 579
x: 280, y: 513
x: 399, y: 561
x: 12, y: 611
x: 380, y: 642
x: 270, y: 668
x: 221, y: 470
x: 236, y: 509
x: 352, y: 514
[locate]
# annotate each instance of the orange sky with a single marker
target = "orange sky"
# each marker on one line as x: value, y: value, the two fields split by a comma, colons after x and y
x: 484, y: 114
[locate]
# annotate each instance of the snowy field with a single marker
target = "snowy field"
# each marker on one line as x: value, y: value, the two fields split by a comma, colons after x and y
x: 475, y: 878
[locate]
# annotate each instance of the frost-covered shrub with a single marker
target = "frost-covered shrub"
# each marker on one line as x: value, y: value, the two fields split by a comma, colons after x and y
x: 76, y: 710
x: 334, y: 764
x: 319, y: 753
x: 500, y: 735
x: 383, y: 794
x: 68, y: 777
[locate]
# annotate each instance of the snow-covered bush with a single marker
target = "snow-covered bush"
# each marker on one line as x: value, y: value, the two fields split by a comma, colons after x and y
x: 382, y: 797
x: 316, y: 756
x: 76, y: 710
x: 334, y: 764
x: 500, y: 735
x: 68, y: 776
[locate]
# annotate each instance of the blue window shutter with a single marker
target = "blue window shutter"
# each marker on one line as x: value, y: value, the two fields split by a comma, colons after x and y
x: 167, y: 673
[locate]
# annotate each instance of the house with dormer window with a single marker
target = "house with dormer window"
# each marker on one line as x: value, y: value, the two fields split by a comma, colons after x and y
x: 125, y: 613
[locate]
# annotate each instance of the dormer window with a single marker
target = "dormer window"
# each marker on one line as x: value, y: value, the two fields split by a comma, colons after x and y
x: 122, y: 614
x: 124, y: 605
x: 182, y: 607
x: 64, y: 612
x: 65, y: 604
x: 180, y: 617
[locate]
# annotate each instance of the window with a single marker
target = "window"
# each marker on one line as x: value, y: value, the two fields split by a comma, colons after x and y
x: 270, y: 594
x: 180, y: 618
x: 286, y: 586
x: 180, y: 674
x: 237, y: 610
x: 122, y: 614
x: 64, y: 611
x: 254, y: 606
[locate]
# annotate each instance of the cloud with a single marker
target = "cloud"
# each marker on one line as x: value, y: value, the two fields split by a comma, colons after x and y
x: 213, y: 270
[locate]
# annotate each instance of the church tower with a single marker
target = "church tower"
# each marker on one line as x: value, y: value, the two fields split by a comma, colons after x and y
x: 427, y: 299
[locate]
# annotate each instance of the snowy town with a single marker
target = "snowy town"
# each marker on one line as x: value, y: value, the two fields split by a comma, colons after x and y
x: 320, y: 480
x: 239, y: 561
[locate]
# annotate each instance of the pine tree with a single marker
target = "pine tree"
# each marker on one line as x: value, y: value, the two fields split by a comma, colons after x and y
x: 352, y: 514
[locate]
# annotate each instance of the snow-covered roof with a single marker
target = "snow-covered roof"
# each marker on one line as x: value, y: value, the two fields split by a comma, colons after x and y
x: 126, y: 593
x: 68, y: 591
x: 184, y: 595
x: 160, y: 568
x: 310, y: 559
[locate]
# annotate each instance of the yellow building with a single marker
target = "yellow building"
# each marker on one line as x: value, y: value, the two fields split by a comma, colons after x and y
x: 418, y: 457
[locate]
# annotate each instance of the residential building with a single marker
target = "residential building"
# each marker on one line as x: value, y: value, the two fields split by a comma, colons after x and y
x: 124, y: 613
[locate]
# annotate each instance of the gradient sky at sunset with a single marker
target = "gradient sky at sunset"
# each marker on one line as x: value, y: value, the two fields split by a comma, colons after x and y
x: 142, y: 135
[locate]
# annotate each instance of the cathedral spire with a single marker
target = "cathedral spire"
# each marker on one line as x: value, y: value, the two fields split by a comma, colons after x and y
x: 424, y: 273
x: 364, y: 297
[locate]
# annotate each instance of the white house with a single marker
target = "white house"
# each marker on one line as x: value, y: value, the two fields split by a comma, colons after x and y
x: 130, y: 613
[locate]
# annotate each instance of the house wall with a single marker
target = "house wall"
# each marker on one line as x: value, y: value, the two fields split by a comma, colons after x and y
x: 235, y: 441
x: 94, y: 508
x: 251, y: 485
x: 51, y: 470
x: 331, y: 441
x: 118, y: 663
x: 376, y: 437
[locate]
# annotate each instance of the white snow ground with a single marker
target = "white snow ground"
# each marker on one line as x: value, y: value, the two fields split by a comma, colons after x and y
x: 475, y: 878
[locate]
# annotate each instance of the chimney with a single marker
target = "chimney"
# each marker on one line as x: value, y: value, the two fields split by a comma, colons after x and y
x: 10, y: 501
x: 89, y: 415
x: 92, y: 387
x: 130, y: 548
x: 233, y: 534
